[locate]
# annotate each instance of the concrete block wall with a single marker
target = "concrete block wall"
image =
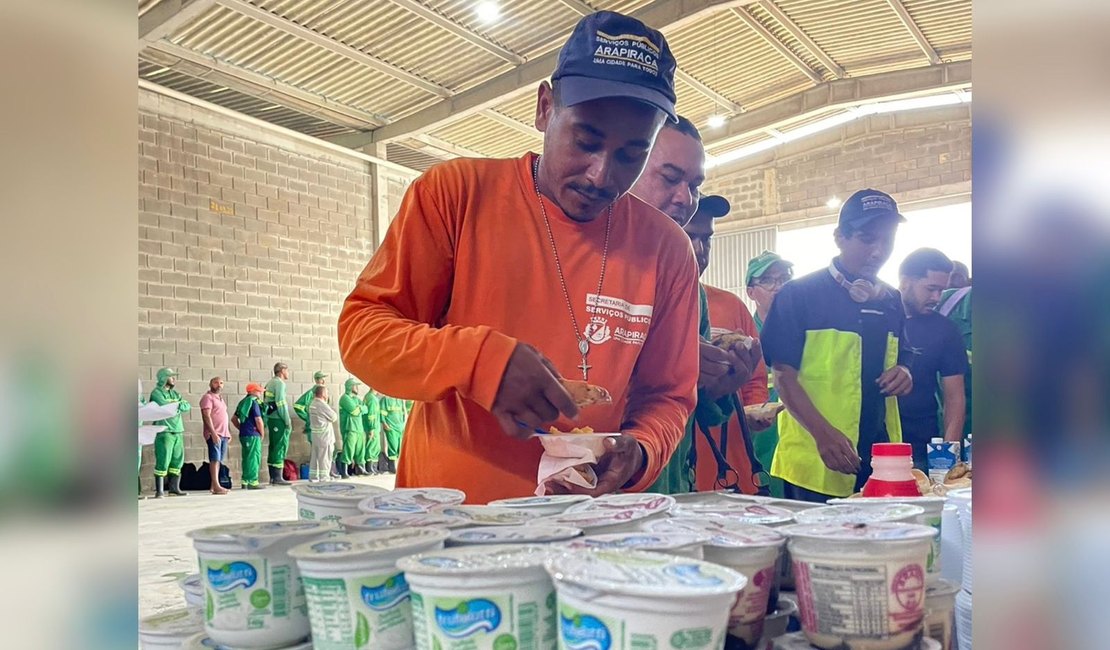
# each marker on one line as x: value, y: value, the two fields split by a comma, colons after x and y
x: 248, y: 243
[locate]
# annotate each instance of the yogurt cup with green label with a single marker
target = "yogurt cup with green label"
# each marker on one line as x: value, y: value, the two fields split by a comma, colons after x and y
x: 168, y: 630
x: 253, y: 592
x: 482, y: 598
x: 628, y: 599
x: 367, y: 522
x: 600, y: 522
x: 357, y: 598
x: 682, y: 543
x: 193, y: 588
x: 203, y: 642
x: 331, y: 501
x: 751, y: 550
x: 477, y: 515
x: 412, y: 500
x: 527, y: 534
x: 860, y: 586
x: 542, y: 506
x: 932, y: 515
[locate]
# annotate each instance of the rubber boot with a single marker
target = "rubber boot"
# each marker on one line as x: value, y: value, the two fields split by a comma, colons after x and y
x: 371, y: 469
x: 343, y: 471
x: 276, y: 478
x: 391, y: 466
x: 175, y: 486
x: 159, y: 482
x: 141, y: 497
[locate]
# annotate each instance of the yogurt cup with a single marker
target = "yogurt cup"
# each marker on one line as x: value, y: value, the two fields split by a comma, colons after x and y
x: 202, y: 642
x: 940, y: 613
x: 600, y: 522
x: 933, y: 515
x: 170, y: 629
x: 681, y: 543
x: 789, y: 504
x: 649, y: 502
x: 628, y: 599
x: 749, y: 549
x: 357, y: 598
x: 543, y: 506
x: 861, y: 514
x: 481, y: 597
x: 776, y: 623
x: 367, y: 522
x: 720, y: 496
x: 798, y: 641
x: 193, y: 589
x: 412, y: 500
x: 860, y: 586
x: 331, y: 500
x: 740, y: 512
x: 253, y: 592
x: 528, y: 534
x: 476, y: 515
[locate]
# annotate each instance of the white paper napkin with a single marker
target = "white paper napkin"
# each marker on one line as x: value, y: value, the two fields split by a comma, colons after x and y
x: 569, y: 458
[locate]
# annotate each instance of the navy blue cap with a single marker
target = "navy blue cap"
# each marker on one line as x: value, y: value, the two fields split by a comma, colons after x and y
x: 613, y: 55
x: 865, y: 206
x: 713, y: 206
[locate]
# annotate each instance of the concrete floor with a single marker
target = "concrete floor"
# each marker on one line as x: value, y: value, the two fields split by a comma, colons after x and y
x: 166, y: 554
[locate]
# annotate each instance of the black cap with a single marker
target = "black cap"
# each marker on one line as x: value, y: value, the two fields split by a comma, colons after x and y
x: 613, y: 55
x: 865, y: 206
x: 714, y: 206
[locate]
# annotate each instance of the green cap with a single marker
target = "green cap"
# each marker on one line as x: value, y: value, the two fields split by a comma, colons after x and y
x: 350, y: 383
x: 164, y: 374
x: 757, y: 266
x: 318, y: 375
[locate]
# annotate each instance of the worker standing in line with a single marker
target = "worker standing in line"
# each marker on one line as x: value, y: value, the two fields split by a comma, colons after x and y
x: 278, y: 422
x: 372, y: 422
x: 351, y: 428
x: 169, y: 446
x: 248, y: 420
x: 394, y: 418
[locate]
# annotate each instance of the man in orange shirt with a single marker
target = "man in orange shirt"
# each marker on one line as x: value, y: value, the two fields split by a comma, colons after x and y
x: 499, y: 276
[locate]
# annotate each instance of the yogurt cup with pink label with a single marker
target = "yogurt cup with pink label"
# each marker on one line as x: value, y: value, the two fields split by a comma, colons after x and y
x: 940, y: 613
x: 798, y: 641
x: 542, y: 506
x: 412, y: 500
x: 625, y: 599
x: 681, y: 543
x: 860, y: 586
x: 527, y: 534
x: 738, y: 511
x: 331, y: 501
x: 861, y: 514
x: 932, y: 515
x: 477, y: 515
x: 602, y: 521
x: 649, y: 502
x: 749, y: 549
x: 367, y: 522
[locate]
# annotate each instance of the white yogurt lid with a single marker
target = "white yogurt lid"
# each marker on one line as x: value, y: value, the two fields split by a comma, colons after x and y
x: 175, y: 622
x: 878, y: 532
x: 487, y: 515
x: 475, y: 560
x: 656, y: 541
x: 798, y: 641
x: 587, y: 519
x: 720, y: 532
x: 369, y: 543
x: 202, y: 642
x: 643, y: 573
x: 648, y: 502
x: 546, y: 500
x: 336, y: 491
x: 861, y: 514
x: 941, y: 587
x: 867, y: 501
x: 262, y: 533
x: 513, y: 534
x: 403, y: 520
x: 748, y: 513
x: 191, y: 582
x: 412, y: 500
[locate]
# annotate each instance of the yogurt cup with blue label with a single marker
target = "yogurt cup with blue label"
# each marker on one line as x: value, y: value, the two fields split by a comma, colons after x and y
x: 751, y: 550
x: 357, y: 598
x: 412, y: 500
x: 478, y: 515
x: 367, y: 522
x: 482, y: 598
x: 683, y: 543
x: 253, y: 592
x: 203, y: 642
x: 542, y: 506
x: 627, y: 599
x: 331, y: 501
x: 527, y: 534
x: 168, y: 630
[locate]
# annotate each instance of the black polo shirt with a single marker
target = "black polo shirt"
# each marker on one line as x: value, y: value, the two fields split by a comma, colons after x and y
x: 934, y: 349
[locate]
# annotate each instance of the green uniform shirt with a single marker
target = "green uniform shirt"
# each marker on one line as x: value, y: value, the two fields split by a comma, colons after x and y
x: 169, y: 396
x: 300, y: 407
x: 371, y: 413
x: 393, y: 413
x: 350, y: 414
x: 273, y: 401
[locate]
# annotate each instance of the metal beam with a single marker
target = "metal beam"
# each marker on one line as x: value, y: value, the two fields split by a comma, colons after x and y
x: 579, y: 7
x: 447, y: 147
x: 914, y: 30
x: 168, y: 16
x: 844, y: 93
x: 516, y: 125
x: 766, y: 34
x: 693, y: 82
x: 803, y: 38
x: 660, y: 14
x: 467, y: 35
x: 332, y: 45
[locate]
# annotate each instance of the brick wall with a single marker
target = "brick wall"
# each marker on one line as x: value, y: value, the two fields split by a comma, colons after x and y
x: 914, y: 155
x: 248, y: 243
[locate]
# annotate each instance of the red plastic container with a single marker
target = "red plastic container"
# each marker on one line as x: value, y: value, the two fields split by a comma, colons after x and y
x: 891, y: 475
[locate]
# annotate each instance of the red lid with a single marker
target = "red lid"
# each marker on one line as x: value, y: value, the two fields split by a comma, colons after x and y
x: 892, y: 449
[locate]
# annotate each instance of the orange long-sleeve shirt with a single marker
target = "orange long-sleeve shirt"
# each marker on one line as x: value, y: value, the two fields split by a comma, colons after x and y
x: 728, y: 312
x: 466, y: 272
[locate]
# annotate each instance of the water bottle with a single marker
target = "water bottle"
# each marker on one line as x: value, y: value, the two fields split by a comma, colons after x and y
x: 891, y: 471
x: 942, y: 457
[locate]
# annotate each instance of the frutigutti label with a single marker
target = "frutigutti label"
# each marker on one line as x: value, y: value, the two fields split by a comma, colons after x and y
x: 244, y: 595
x: 359, y: 613
x: 483, y: 623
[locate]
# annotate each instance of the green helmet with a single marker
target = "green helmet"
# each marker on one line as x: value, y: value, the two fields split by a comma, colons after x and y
x: 164, y: 374
x: 350, y: 383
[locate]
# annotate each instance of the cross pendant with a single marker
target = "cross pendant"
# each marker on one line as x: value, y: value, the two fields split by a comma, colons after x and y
x: 585, y: 368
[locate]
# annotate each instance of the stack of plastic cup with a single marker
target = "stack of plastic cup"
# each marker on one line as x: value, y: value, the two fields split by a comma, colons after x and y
x: 951, y: 545
x: 963, y: 599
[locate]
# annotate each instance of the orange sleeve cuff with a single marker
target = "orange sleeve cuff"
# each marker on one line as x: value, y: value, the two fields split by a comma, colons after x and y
x: 489, y: 368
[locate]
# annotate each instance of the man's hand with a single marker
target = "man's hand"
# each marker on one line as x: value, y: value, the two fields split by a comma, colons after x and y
x: 895, y: 382
x: 622, y: 462
x: 741, y: 364
x: 837, y: 452
x: 714, y: 363
x: 760, y: 418
x: 530, y: 393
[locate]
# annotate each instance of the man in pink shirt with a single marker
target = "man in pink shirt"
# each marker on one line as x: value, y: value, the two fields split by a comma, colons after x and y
x: 213, y: 409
